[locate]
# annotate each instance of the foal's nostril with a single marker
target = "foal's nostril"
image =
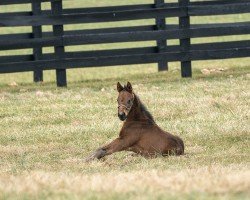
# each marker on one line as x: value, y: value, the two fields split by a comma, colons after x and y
x: 122, y: 116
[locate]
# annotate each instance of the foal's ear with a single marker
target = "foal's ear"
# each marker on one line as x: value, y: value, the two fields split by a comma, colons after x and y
x: 119, y: 87
x: 129, y: 87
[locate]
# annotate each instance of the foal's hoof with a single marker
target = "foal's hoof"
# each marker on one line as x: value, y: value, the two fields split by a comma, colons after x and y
x: 97, y: 154
x: 100, y: 153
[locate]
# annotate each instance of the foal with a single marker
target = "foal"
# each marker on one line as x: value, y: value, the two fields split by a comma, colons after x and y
x: 139, y: 133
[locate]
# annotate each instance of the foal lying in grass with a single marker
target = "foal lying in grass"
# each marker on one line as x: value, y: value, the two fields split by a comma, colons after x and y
x: 140, y: 133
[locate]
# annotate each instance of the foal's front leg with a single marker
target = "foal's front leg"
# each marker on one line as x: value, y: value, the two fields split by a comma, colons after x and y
x: 119, y: 144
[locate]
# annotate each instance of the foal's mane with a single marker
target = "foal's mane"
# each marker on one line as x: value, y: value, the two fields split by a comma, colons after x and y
x: 143, y: 108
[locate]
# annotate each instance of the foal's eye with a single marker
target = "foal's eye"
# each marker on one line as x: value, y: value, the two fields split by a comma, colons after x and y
x: 129, y: 101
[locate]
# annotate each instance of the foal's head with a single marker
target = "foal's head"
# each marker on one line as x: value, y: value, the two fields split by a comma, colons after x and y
x: 125, y: 100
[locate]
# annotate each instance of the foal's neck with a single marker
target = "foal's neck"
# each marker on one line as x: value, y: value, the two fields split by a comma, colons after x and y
x: 139, y: 113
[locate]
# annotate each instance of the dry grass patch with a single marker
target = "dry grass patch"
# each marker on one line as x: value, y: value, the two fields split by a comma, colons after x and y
x: 213, y: 179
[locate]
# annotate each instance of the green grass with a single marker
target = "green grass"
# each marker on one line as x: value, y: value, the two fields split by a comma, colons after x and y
x: 45, y: 132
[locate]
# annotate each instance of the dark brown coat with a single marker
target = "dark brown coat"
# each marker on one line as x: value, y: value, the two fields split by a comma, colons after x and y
x: 139, y: 133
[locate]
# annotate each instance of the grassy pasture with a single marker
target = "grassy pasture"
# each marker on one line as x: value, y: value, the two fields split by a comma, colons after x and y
x: 45, y: 131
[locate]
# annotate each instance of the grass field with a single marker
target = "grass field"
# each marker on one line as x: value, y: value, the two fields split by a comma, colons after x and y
x: 45, y: 132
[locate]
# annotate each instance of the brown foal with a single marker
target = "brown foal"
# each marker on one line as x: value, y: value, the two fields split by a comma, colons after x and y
x: 139, y: 133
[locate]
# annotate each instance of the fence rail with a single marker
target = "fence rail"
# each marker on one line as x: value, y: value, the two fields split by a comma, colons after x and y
x: 160, y: 32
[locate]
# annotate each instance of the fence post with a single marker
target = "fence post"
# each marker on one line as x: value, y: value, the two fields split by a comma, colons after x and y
x: 184, y: 23
x: 61, y: 77
x: 161, y: 44
x: 37, y: 33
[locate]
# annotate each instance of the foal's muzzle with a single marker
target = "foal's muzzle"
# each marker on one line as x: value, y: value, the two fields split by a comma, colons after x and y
x: 122, y: 116
x: 122, y: 109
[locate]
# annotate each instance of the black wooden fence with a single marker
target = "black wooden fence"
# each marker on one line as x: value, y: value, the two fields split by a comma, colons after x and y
x: 162, y: 53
